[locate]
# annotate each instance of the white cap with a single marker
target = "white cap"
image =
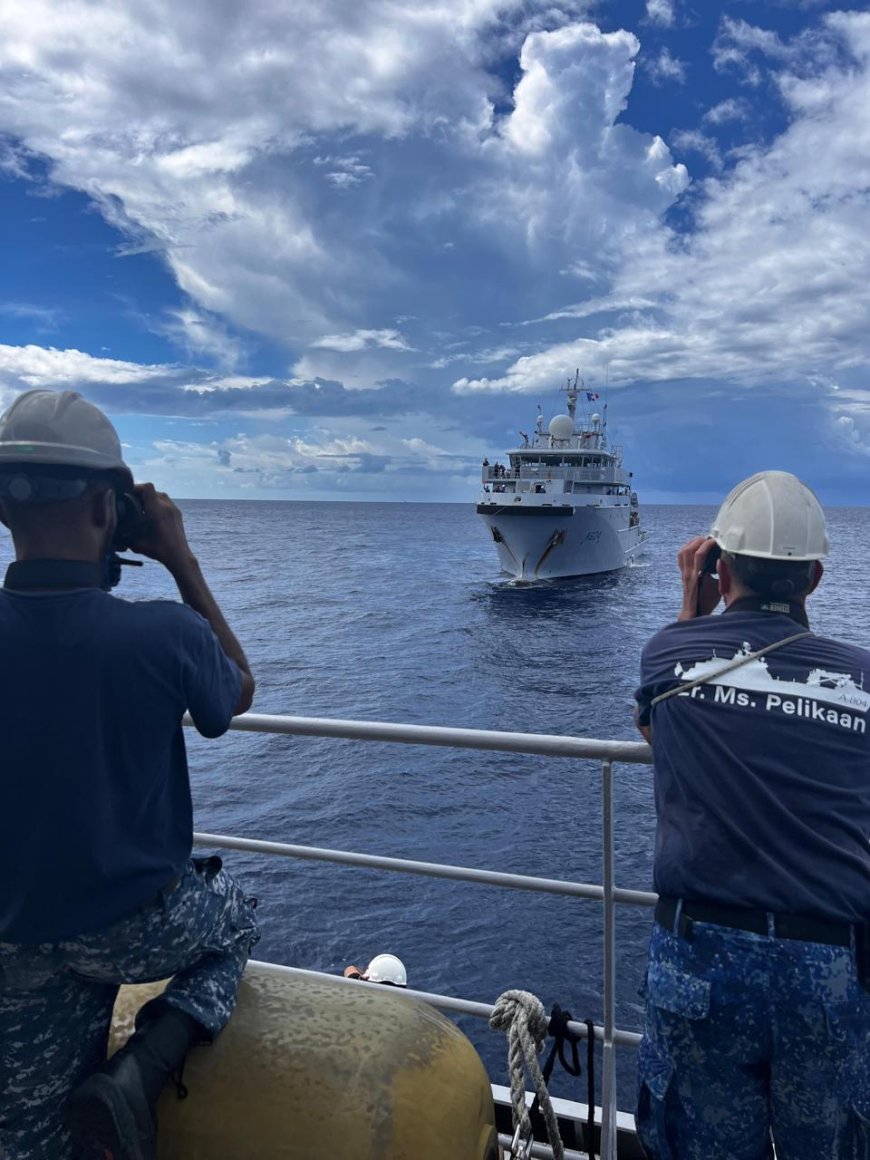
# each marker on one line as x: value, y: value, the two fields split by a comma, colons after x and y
x: 773, y: 516
x: 59, y: 428
x: 386, y: 969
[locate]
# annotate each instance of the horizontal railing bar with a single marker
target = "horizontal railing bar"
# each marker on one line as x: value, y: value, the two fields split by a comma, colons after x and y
x: 565, y: 1109
x: 428, y: 869
x: 442, y: 1002
x: 541, y: 1151
x: 543, y: 744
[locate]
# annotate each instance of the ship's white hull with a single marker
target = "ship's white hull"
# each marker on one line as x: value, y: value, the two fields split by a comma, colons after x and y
x: 546, y: 543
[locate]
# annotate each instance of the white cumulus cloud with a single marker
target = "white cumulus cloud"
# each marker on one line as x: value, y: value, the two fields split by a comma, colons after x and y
x: 660, y: 12
x: 770, y: 285
x: 665, y: 67
x: 298, y: 168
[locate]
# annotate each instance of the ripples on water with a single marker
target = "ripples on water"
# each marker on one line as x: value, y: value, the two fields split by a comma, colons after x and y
x: 397, y: 612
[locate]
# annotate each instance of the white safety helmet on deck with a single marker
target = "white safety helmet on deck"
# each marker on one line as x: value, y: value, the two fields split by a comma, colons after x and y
x: 772, y: 516
x: 386, y: 969
x: 58, y: 429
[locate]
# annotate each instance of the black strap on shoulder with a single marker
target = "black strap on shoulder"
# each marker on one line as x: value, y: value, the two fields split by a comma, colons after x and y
x: 25, y: 574
x: 32, y: 574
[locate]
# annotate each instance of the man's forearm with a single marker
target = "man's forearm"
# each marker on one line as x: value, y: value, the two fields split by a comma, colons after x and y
x: 196, y: 593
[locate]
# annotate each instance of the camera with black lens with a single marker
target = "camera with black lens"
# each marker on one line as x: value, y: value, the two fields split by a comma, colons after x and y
x: 711, y: 561
x: 132, y: 522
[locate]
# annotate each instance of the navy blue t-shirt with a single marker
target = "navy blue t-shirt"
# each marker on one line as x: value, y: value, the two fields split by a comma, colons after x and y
x: 96, y: 813
x: 762, y: 775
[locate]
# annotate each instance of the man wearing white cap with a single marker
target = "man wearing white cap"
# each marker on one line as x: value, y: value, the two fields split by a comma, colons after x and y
x: 758, y: 1014
x: 98, y: 885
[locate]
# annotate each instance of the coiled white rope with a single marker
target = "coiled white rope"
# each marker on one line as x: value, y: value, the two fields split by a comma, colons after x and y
x: 523, y: 1019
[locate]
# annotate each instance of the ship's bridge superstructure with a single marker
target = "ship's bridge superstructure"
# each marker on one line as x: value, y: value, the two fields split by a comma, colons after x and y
x: 565, y: 471
x: 562, y: 462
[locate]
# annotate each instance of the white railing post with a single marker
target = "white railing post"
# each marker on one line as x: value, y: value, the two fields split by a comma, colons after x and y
x: 608, y: 1059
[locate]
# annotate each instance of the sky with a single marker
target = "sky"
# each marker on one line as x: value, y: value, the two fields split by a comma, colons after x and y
x: 345, y: 250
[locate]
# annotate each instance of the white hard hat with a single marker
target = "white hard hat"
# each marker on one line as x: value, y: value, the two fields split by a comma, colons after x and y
x: 773, y: 516
x: 59, y: 428
x: 387, y: 969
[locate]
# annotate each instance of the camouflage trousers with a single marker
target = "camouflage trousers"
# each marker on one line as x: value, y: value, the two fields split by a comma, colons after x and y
x: 56, y: 999
x: 752, y: 1042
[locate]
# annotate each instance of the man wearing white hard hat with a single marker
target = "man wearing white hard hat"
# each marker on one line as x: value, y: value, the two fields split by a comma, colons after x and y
x: 758, y: 1009
x: 98, y: 884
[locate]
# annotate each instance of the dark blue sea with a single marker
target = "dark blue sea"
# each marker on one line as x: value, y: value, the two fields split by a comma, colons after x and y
x: 398, y: 612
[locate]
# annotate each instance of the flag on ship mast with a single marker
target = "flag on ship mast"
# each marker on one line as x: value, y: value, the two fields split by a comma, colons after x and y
x: 592, y: 396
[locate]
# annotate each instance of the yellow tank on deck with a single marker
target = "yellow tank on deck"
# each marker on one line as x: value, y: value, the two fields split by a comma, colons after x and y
x: 311, y: 1069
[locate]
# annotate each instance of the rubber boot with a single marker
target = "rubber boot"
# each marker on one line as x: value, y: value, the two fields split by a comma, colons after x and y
x: 111, y: 1115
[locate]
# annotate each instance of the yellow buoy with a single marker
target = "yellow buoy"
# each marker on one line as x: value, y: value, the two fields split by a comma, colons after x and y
x: 311, y: 1069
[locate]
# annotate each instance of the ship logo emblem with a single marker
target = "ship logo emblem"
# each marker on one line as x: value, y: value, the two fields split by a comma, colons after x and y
x: 830, y: 697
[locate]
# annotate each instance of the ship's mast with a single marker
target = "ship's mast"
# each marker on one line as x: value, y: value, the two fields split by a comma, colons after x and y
x: 572, y: 390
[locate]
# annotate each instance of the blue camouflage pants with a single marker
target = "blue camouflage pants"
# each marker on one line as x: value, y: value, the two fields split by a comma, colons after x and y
x: 753, y: 1041
x: 56, y: 999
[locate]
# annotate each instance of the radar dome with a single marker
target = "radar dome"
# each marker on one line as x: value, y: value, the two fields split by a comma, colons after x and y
x: 596, y: 418
x: 561, y: 427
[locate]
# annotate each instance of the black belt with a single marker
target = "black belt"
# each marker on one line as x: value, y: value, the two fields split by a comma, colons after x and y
x: 817, y: 930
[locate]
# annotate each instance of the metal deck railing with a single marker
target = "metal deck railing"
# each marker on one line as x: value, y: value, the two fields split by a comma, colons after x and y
x: 547, y: 745
x: 609, y: 473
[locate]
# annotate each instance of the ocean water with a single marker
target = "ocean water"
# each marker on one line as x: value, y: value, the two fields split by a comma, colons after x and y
x: 398, y: 612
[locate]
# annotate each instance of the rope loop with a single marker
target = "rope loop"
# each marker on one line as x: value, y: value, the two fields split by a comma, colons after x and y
x: 523, y: 1019
x: 563, y: 1036
x: 521, y: 1006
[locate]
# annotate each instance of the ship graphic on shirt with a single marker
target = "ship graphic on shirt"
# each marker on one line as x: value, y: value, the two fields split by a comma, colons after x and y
x: 800, y: 698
